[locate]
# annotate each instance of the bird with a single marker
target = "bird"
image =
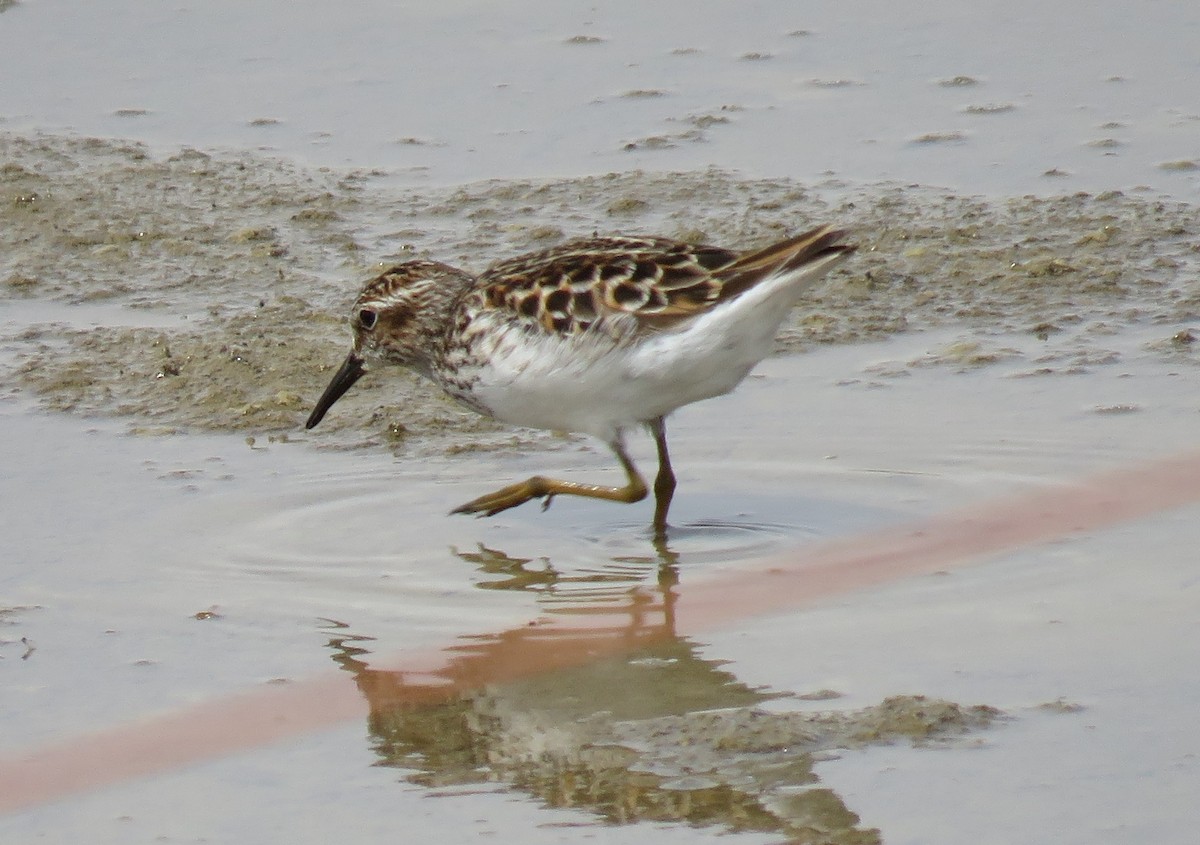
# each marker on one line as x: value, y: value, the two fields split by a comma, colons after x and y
x: 597, y: 335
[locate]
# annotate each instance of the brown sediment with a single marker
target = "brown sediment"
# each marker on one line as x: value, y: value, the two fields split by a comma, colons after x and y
x: 263, y: 257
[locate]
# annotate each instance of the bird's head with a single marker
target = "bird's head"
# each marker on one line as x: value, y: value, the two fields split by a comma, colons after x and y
x: 399, y: 318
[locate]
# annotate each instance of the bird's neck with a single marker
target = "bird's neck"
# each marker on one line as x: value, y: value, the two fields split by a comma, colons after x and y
x: 444, y: 311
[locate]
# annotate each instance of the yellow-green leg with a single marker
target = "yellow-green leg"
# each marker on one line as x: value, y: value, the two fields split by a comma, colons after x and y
x: 664, y: 482
x: 540, y: 487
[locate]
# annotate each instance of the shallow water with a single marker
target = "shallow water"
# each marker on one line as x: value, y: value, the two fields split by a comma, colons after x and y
x: 171, y: 536
x: 1002, y: 97
x: 249, y: 565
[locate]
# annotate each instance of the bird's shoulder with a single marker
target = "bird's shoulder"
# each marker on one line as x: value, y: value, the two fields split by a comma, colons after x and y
x: 573, y: 287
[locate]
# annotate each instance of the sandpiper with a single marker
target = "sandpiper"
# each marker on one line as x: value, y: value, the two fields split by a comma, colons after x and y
x: 597, y: 335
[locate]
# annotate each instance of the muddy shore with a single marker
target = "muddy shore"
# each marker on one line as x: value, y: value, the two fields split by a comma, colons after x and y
x: 240, y: 268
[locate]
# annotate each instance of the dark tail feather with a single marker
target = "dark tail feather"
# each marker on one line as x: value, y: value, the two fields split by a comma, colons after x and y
x: 782, y: 257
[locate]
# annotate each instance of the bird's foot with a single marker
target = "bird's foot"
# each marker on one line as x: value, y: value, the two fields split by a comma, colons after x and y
x: 493, y: 503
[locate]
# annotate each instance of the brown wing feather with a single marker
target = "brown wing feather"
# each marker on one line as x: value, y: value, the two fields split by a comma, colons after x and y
x: 782, y: 257
x: 572, y: 287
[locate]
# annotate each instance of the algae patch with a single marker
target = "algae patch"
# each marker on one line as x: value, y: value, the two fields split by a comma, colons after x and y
x: 263, y: 257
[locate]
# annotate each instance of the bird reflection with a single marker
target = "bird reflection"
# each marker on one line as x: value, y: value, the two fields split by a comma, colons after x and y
x: 604, y: 707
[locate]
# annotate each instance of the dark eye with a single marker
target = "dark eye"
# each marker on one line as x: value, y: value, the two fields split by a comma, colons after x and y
x: 367, y: 318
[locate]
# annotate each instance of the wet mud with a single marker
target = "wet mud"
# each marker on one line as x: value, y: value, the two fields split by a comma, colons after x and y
x: 251, y: 262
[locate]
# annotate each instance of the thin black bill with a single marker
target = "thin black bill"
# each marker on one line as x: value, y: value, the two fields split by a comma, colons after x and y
x: 351, y: 371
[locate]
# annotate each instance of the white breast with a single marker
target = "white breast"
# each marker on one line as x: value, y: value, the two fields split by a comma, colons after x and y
x: 594, y: 384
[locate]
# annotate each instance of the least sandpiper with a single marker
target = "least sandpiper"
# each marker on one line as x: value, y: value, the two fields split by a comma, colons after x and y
x: 596, y: 335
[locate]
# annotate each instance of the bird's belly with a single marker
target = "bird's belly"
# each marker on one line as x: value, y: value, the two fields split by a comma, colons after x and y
x: 603, y: 393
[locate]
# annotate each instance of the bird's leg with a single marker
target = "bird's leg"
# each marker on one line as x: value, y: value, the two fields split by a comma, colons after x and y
x: 539, y: 487
x: 664, y: 482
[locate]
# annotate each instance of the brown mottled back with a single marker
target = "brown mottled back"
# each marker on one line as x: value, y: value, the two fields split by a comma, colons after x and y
x: 568, y: 288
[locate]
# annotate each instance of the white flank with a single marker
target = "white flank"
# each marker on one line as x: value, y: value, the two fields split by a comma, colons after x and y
x: 593, y: 385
